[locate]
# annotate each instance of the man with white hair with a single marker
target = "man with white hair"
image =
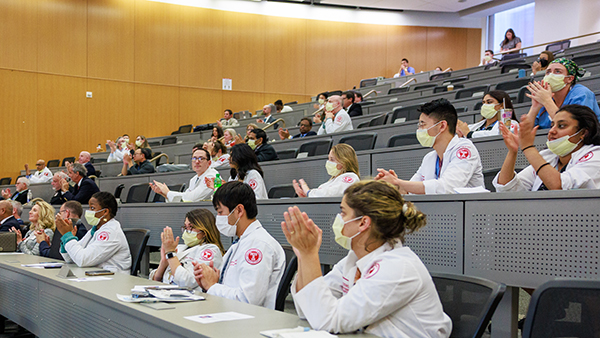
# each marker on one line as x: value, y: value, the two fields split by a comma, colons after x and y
x: 42, y: 175
x: 117, y: 150
x: 17, y: 211
x: 58, y: 198
x: 20, y: 195
x: 84, y: 187
x: 336, y: 118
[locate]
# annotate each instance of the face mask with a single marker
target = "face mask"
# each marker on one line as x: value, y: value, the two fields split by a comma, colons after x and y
x: 90, y: 217
x: 190, y: 238
x: 321, y: 101
x: 251, y: 143
x: 487, y: 58
x: 556, y: 82
x: 329, y: 106
x: 123, y: 145
x: 338, y: 225
x: 332, y: 169
x: 488, y: 111
x: 543, y: 62
x: 224, y: 227
x: 138, y: 143
x: 424, y: 138
x: 562, y: 146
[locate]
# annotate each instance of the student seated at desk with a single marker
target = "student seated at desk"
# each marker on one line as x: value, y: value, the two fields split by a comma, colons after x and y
x: 454, y: 162
x: 254, y: 264
x: 489, y: 125
x: 41, y: 217
x: 342, y: 166
x: 245, y: 168
x: 201, y: 243
x: 105, y: 245
x: 572, y: 160
x: 381, y: 286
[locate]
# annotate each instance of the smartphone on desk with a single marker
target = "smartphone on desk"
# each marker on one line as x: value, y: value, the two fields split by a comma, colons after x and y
x: 99, y: 273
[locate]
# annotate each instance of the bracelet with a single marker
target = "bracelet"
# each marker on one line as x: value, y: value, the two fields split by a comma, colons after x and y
x: 523, y: 150
x: 540, y: 168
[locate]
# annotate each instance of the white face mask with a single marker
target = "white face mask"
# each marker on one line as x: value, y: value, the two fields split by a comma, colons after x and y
x: 424, y: 138
x: 224, y: 227
x: 562, y: 146
x: 338, y: 225
x: 90, y: 217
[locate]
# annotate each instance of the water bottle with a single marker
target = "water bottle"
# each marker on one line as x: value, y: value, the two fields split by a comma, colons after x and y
x: 218, y: 181
x: 29, y: 196
x: 522, y: 73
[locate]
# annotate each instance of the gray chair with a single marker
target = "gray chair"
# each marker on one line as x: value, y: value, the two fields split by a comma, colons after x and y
x: 507, y: 68
x: 521, y: 97
x: 284, y: 286
x: 186, y: 129
x: 558, y: 46
x: 403, y: 140
x: 137, y: 240
x: 168, y: 140
x: 138, y: 193
x: 378, y: 121
x: 360, y: 142
x: 423, y: 86
x: 368, y: 82
x: 176, y: 187
x: 403, y: 114
x: 442, y: 89
x: 119, y: 190
x: 287, y: 154
x: 282, y: 191
x: 363, y: 125
x: 586, y: 59
x: 5, y: 180
x: 514, y: 84
x: 316, y: 148
x: 398, y: 90
x: 68, y: 159
x: 439, y: 76
x: 471, y: 92
x: 53, y: 163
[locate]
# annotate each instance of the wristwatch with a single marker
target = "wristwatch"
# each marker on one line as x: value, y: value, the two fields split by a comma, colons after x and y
x: 170, y: 255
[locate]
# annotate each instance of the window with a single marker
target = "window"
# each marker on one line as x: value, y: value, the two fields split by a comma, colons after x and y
x: 520, y: 19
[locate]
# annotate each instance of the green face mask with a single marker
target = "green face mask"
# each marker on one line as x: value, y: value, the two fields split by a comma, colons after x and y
x: 488, y: 111
x: 251, y: 143
x: 556, y: 82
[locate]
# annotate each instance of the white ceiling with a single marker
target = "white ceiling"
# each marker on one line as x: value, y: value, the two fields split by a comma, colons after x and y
x: 412, y: 5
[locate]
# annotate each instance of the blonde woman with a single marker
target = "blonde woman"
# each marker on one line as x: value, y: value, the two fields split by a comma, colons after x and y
x: 342, y: 166
x: 41, y: 217
x: 201, y: 244
x: 229, y: 137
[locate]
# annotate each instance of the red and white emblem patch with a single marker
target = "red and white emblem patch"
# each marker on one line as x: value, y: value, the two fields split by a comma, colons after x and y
x: 372, y: 271
x: 253, y: 184
x: 338, y: 119
x: 103, y: 236
x: 586, y: 157
x: 463, y: 153
x: 207, y: 255
x: 253, y: 256
x: 348, y: 179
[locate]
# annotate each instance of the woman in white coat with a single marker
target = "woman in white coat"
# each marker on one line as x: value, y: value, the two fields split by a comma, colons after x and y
x: 489, y: 125
x: 381, y: 286
x: 201, y: 243
x: 245, y: 168
x: 342, y: 166
x: 572, y: 160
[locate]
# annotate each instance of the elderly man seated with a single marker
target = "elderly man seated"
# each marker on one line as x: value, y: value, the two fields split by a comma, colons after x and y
x: 41, y: 175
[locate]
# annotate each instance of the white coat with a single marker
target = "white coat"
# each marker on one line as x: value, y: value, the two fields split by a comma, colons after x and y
x: 117, y: 155
x: 223, y: 160
x: 256, y: 182
x: 495, y: 131
x: 335, y: 187
x: 394, y: 297
x: 197, y: 189
x: 184, y: 275
x: 43, y: 176
x: 583, y: 172
x: 252, y: 269
x: 105, y: 248
x: 341, y: 122
x: 461, y: 168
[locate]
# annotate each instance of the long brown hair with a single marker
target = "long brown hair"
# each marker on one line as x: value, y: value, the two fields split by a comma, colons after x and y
x: 204, y: 220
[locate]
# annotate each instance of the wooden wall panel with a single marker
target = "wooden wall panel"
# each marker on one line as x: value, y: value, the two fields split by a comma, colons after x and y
x: 110, y: 39
x: 366, y: 52
x: 237, y: 101
x: 18, y: 33
x: 406, y: 42
x: 62, y: 121
x: 326, y: 56
x: 199, y: 106
x: 157, y: 42
x: 446, y: 47
x: 110, y: 110
x: 19, y: 129
x: 62, y: 37
x: 285, y: 55
x: 201, y: 48
x: 473, y: 47
x: 156, y: 110
x: 244, y: 51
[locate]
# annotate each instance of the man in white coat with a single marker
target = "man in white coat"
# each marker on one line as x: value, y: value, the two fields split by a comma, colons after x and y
x: 453, y: 163
x: 42, y: 174
x: 255, y: 262
x: 336, y: 118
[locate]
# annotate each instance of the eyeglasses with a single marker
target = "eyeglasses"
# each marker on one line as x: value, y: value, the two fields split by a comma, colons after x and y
x: 185, y: 228
x: 199, y: 159
x: 38, y: 164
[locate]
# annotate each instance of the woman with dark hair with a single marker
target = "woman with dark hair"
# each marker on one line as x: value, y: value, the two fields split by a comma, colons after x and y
x: 201, y: 243
x: 493, y: 103
x: 141, y: 142
x: 245, y: 168
x: 105, y: 245
x: 510, y: 42
x: 217, y: 133
x: 321, y: 99
x: 572, y: 160
x: 381, y: 286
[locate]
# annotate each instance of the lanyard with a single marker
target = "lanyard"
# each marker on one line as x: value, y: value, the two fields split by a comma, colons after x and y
x: 483, y: 127
x: 228, y: 259
x: 438, y: 167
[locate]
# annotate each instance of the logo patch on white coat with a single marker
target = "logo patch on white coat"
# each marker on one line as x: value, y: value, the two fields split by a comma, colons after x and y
x: 463, y: 153
x: 103, y: 236
x: 586, y: 157
x: 252, y: 183
x: 348, y: 179
x: 207, y: 255
x: 372, y: 271
x: 253, y: 256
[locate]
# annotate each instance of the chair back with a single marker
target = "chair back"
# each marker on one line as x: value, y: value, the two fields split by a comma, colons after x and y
x: 334, y: 92
x: 378, y: 121
x: 564, y: 308
x: 53, y: 163
x: 586, y: 59
x: 119, y: 190
x: 315, y: 148
x: 5, y: 180
x: 442, y: 89
x: 477, y: 106
x: 287, y: 154
x: 360, y: 142
x: 186, y: 129
x: 282, y: 191
x: 477, y: 91
x: 68, y: 159
x: 402, y: 114
x: 138, y: 193
x: 137, y: 240
x: 398, y: 90
x: 558, y: 46
x: 368, y: 82
x: 160, y: 198
x: 424, y: 86
x: 508, y: 67
x: 513, y: 56
x: 154, y: 143
x: 514, y: 84
x: 363, y: 125
x: 168, y: 140
x: 403, y: 140
x: 469, y: 301
x: 440, y: 76
x: 284, y: 285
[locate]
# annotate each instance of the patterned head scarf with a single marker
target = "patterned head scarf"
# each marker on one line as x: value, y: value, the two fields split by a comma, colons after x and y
x: 572, y: 68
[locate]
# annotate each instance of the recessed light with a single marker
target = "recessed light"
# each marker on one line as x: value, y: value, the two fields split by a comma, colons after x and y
x: 462, y: 0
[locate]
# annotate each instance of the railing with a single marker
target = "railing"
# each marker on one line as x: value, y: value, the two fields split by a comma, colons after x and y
x: 407, y: 82
x: 545, y: 44
x: 273, y: 123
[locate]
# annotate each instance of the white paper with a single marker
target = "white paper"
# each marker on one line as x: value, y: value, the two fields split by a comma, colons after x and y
x: 473, y: 190
x: 309, y: 334
x: 277, y: 333
x: 10, y: 253
x: 131, y: 299
x: 218, y: 317
x: 90, y: 279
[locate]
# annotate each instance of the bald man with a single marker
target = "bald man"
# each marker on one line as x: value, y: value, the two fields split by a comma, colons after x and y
x: 41, y: 175
x: 84, y: 158
x: 336, y: 118
x: 268, y: 111
x: 7, y: 220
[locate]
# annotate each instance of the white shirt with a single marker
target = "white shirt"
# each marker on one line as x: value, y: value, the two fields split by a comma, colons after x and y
x: 286, y: 109
x: 256, y: 182
x: 495, y: 131
x: 117, y: 155
x: 341, y: 122
x: 223, y: 160
x: 105, y: 248
x: 43, y: 176
x: 197, y: 191
x: 335, y: 187
x: 461, y: 168
x: 394, y: 297
x: 184, y: 275
x: 583, y: 172
x: 230, y: 123
x: 252, y: 269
